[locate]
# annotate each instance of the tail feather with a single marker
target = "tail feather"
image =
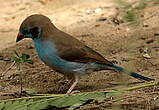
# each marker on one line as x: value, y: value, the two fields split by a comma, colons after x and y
x: 133, y: 74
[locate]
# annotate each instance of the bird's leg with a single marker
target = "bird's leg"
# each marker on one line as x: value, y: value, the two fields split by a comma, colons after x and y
x: 69, y: 79
x: 73, y: 85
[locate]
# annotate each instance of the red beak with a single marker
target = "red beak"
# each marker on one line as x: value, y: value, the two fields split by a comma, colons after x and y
x: 19, y: 37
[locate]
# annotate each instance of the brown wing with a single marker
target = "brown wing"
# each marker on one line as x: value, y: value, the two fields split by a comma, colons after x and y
x: 83, y: 55
x: 71, y: 49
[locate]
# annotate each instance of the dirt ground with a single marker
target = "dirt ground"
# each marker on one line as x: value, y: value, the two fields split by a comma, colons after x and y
x: 136, y: 49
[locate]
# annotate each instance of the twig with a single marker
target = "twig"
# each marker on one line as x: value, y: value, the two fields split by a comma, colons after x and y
x: 152, y: 15
x: 8, y: 69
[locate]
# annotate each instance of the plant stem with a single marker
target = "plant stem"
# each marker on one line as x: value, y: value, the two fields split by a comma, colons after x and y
x: 20, y: 79
x: 140, y: 86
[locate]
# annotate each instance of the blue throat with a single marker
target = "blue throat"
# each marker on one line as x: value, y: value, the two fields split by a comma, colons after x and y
x: 47, y: 52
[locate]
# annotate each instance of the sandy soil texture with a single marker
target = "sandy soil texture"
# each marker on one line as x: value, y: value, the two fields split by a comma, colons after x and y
x: 136, y: 49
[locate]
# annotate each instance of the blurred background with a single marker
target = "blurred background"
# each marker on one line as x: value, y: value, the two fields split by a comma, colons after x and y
x: 63, y: 13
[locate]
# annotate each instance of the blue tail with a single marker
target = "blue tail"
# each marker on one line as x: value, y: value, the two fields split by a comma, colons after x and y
x: 133, y: 74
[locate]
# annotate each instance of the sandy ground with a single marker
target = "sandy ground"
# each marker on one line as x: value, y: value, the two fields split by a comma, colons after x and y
x: 121, y: 44
x: 63, y: 14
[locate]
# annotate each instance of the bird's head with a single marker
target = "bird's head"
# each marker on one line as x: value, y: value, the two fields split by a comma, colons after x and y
x: 33, y: 26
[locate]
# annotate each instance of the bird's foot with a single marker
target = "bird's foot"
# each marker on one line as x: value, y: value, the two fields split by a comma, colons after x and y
x: 73, y: 92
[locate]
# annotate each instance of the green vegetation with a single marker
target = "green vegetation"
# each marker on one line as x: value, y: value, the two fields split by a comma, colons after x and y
x: 18, y: 60
x: 24, y: 58
x: 72, y: 101
x: 132, y: 11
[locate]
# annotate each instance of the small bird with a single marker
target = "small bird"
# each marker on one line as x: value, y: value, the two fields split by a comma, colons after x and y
x: 64, y: 53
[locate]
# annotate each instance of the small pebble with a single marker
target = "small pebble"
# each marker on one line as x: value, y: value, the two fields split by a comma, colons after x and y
x: 150, y: 41
x: 1, y: 57
x: 145, y: 50
x: 97, y: 25
x: 89, y: 11
x: 97, y: 10
x: 146, y: 56
x: 145, y: 25
x: 101, y: 19
x: 156, y: 34
x: 127, y: 29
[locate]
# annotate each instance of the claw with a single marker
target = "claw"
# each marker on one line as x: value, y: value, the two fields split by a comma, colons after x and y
x: 75, y: 92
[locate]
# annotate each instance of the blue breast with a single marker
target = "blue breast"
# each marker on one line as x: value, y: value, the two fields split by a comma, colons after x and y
x: 48, y: 53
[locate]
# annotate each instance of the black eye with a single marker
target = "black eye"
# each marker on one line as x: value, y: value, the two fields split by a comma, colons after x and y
x: 25, y: 31
x: 34, y: 31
